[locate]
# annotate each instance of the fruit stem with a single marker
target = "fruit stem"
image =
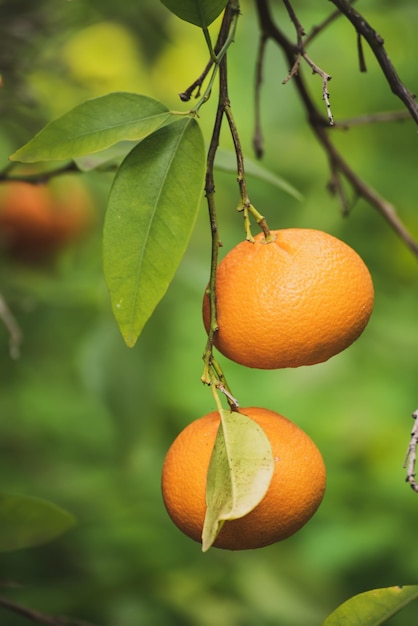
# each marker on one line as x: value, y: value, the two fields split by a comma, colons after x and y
x: 245, y: 205
x: 212, y: 373
x: 221, y: 384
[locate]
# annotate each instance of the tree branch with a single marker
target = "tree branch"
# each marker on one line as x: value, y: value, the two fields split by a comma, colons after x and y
x: 372, y: 118
x: 39, y: 618
x: 320, y: 125
x: 258, y: 140
x: 15, y: 334
x: 376, y: 44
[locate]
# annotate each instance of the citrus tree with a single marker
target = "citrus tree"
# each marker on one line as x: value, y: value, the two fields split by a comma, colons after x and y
x: 284, y: 297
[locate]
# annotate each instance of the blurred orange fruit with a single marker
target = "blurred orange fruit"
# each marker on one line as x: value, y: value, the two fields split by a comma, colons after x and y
x: 295, y: 492
x: 39, y: 220
x: 297, y: 300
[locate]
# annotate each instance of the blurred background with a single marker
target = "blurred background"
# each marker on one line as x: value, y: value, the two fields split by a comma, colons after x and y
x: 85, y: 422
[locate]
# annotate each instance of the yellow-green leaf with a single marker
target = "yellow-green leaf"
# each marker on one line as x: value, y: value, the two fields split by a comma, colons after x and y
x: 240, y: 472
x: 372, y: 607
x: 93, y: 126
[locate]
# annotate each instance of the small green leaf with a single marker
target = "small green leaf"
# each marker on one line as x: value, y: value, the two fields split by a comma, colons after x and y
x: 239, y: 475
x: 27, y: 522
x: 198, y: 12
x: 372, y: 607
x: 226, y: 161
x: 94, y: 126
x: 151, y: 212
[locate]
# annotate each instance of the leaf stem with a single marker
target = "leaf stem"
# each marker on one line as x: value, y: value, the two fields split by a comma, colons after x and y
x: 209, y: 43
x: 225, y: 39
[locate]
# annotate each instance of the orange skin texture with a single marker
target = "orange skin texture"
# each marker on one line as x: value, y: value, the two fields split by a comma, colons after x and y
x: 298, y: 300
x: 39, y: 220
x: 295, y: 492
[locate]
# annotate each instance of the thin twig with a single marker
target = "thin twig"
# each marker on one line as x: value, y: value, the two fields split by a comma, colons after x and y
x: 6, y: 175
x: 325, y: 80
x: 196, y: 85
x: 13, y: 328
x: 336, y: 187
x: 373, y: 118
x: 376, y: 44
x: 258, y: 140
x: 39, y: 618
x: 300, y: 31
x: 411, y: 454
x: 301, y: 54
x: 316, y: 30
x: 360, y: 51
x: 319, y: 125
x: 363, y: 190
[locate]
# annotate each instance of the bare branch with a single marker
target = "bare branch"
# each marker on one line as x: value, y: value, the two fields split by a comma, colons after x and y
x: 300, y: 33
x: 319, y: 125
x: 363, y: 190
x: 37, y: 617
x: 325, y: 80
x: 320, y: 27
x: 196, y: 85
x: 376, y: 44
x: 258, y: 140
x: 360, y: 51
x: 372, y: 118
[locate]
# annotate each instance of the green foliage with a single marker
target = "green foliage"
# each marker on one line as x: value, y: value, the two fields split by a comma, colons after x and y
x: 372, y: 607
x: 26, y: 522
x: 94, y: 126
x: 240, y: 471
x: 90, y: 419
x: 151, y: 213
x: 199, y: 12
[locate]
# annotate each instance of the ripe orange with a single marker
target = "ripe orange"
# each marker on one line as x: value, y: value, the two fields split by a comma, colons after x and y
x: 38, y: 220
x: 297, y: 300
x: 295, y: 492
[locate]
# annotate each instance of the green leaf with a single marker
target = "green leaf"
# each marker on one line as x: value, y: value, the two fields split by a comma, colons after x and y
x: 151, y: 212
x: 372, y: 607
x: 27, y: 522
x: 94, y: 126
x: 225, y: 161
x: 105, y: 159
x: 198, y: 12
x: 239, y: 475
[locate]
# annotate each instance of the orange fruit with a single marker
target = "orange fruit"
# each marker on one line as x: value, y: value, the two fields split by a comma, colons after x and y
x: 38, y: 220
x: 295, y: 492
x: 298, y: 300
